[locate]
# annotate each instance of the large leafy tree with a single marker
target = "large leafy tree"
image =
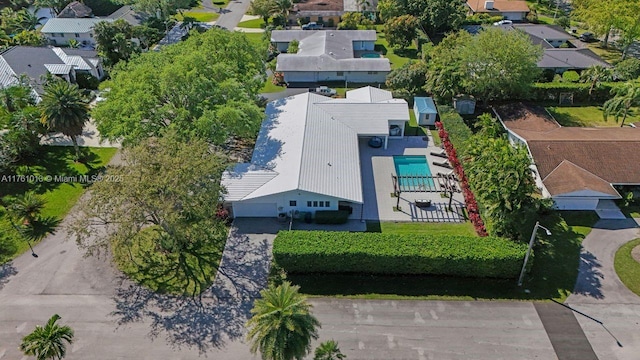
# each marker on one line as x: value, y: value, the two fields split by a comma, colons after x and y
x: 499, y: 64
x: 48, y: 342
x: 620, y: 106
x: 328, y: 350
x: 162, y: 9
x: 282, y: 325
x: 408, y: 80
x: 388, y: 9
x: 282, y: 8
x: 64, y: 109
x: 596, y: 75
x: 444, y: 76
x: 205, y: 87
x: 401, y: 31
x: 262, y: 8
x: 114, y: 40
x: 434, y: 16
x: 599, y: 16
x: 163, y: 200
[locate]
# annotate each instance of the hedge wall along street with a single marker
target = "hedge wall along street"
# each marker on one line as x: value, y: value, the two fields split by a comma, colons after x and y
x: 380, y: 253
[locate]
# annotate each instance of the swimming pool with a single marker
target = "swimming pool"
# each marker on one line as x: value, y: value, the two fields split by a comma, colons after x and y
x: 370, y: 55
x: 413, y: 165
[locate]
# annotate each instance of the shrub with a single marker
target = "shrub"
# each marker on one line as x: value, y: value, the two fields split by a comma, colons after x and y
x: 332, y: 216
x: 384, y: 253
x: 628, y: 69
x: 551, y: 91
x: 87, y: 81
x: 570, y: 76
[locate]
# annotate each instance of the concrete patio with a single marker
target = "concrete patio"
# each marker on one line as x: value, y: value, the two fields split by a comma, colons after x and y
x: 377, y: 166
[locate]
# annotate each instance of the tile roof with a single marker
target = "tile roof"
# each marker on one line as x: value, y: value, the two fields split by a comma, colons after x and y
x: 478, y: 6
x: 569, y: 178
x: 60, y: 25
x: 310, y: 143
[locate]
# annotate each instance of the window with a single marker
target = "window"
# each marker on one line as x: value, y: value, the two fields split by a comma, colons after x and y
x: 340, y: 73
x: 77, y: 35
x: 315, y: 204
x: 321, y: 204
x: 308, y: 203
x: 320, y: 20
x: 292, y: 203
x: 327, y: 204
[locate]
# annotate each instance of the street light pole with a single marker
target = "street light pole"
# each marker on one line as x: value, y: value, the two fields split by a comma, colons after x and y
x: 531, y: 241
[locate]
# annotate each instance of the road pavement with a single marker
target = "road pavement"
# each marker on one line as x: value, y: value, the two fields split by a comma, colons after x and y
x: 232, y: 14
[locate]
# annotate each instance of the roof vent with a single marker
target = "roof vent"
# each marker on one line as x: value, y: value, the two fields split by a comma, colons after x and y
x: 488, y: 5
x: 330, y: 34
x: 330, y: 52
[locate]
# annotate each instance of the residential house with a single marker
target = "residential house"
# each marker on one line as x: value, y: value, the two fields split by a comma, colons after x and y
x: 330, y: 55
x: 327, y: 12
x: 37, y: 62
x: 128, y: 14
x: 576, y: 167
x: 306, y: 157
x: 60, y: 30
x: 514, y: 10
x: 76, y: 9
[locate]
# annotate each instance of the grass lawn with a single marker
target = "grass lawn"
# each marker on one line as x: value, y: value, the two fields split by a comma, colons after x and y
x: 412, y: 128
x: 61, y: 195
x: 252, y: 24
x: 397, y: 57
x: 436, y: 137
x: 631, y: 211
x: 257, y: 39
x: 199, y: 16
x: 270, y: 87
x: 627, y: 268
x: 610, y: 54
x: 161, y: 271
x: 587, y: 116
x: 552, y: 276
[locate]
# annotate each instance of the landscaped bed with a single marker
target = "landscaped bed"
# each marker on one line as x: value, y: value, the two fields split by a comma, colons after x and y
x: 628, y: 266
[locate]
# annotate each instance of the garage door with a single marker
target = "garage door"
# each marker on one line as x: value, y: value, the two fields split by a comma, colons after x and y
x: 255, y: 210
x: 576, y: 204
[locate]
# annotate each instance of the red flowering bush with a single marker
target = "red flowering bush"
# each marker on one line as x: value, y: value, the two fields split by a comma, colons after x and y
x: 469, y: 198
x: 278, y: 78
x: 222, y: 214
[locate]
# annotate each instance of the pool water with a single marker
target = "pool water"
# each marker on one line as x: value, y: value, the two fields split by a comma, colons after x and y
x: 415, y: 165
x: 370, y: 55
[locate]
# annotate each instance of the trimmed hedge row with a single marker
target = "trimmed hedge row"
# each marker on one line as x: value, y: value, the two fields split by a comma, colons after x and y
x: 551, y: 91
x: 395, y: 254
x: 458, y: 131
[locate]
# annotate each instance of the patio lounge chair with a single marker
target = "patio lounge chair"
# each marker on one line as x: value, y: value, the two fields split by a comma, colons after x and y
x: 444, y: 164
x: 422, y: 203
x: 441, y: 154
x: 450, y: 175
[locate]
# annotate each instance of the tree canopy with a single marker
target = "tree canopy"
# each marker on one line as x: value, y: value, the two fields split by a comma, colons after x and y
x: 401, y: 31
x: 434, y: 16
x: 601, y: 17
x: 205, y: 87
x: 158, y: 210
x: 163, y: 9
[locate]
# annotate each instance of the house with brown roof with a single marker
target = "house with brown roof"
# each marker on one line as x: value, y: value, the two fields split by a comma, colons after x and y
x: 514, y: 10
x: 577, y: 167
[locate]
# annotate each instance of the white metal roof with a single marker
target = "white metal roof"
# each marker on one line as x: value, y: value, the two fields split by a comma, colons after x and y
x: 7, y: 76
x: 369, y: 94
x: 58, y: 69
x: 74, y: 60
x: 71, y: 25
x: 310, y: 142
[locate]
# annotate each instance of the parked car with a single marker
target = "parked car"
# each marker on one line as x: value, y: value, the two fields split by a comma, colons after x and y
x: 312, y: 26
x: 503, y: 22
x: 324, y: 90
x: 587, y: 37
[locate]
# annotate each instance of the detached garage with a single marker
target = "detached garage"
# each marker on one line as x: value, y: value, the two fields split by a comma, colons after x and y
x: 425, y: 110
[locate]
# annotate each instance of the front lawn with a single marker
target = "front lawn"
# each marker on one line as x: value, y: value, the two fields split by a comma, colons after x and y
x: 252, y: 24
x: 609, y: 54
x: 59, y: 191
x: 552, y: 276
x: 587, y: 116
x: 627, y: 268
x: 199, y: 16
x: 270, y: 87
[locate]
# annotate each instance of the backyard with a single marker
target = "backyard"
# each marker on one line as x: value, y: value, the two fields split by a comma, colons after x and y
x: 587, y: 116
x: 57, y: 169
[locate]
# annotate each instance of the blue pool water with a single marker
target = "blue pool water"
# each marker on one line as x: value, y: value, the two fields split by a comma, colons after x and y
x: 413, y: 166
x: 370, y: 55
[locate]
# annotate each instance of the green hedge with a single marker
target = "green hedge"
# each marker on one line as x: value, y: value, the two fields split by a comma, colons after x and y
x: 332, y: 216
x: 551, y: 91
x: 394, y: 254
x: 458, y: 131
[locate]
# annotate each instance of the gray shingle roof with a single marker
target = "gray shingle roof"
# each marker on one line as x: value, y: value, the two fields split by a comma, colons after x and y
x: 128, y: 14
x: 570, y: 59
x: 354, y: 35
x: 291, y: 62
x: 58, y: 25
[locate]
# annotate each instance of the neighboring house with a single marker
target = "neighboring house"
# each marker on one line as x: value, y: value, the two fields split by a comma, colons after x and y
x: 37, y: 62
x: 59, y: 31
x: 128, y: 14
x: 509, y: 9
x: 327, y: 12
x: 330, y: 55
x: 425, y: 110
x: 559, y: 54
x: 576, y: 167
x: 306, y: 156
x: 76, y: 9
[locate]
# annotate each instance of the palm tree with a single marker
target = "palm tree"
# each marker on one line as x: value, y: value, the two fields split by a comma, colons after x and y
x: 282, y: 325
x: 25, y: 208
x: 328, y: 350
x: 28, y: 20
x: 48, y: 342
x: 625, y: 98
x: 283, y: 7
x: 595, y: 75
x: 64, y: 109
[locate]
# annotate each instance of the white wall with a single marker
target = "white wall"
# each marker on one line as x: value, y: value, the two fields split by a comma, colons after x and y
x: 63, y: 39
x: 575, y: 203
x: 301, y: 198
x: 351, y: 77
x: 516, y: 16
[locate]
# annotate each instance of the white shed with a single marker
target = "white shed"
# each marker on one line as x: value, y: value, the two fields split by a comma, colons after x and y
x: 425, y: 110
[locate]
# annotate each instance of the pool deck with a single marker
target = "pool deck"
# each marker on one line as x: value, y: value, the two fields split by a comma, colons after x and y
x: 377, y: 166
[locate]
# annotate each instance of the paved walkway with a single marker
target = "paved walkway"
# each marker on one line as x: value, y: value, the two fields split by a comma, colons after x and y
x: 89, y: 137
x: 566, y: 335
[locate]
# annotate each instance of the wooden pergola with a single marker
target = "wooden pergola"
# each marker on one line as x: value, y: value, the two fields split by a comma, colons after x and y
x: 440, y: 183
